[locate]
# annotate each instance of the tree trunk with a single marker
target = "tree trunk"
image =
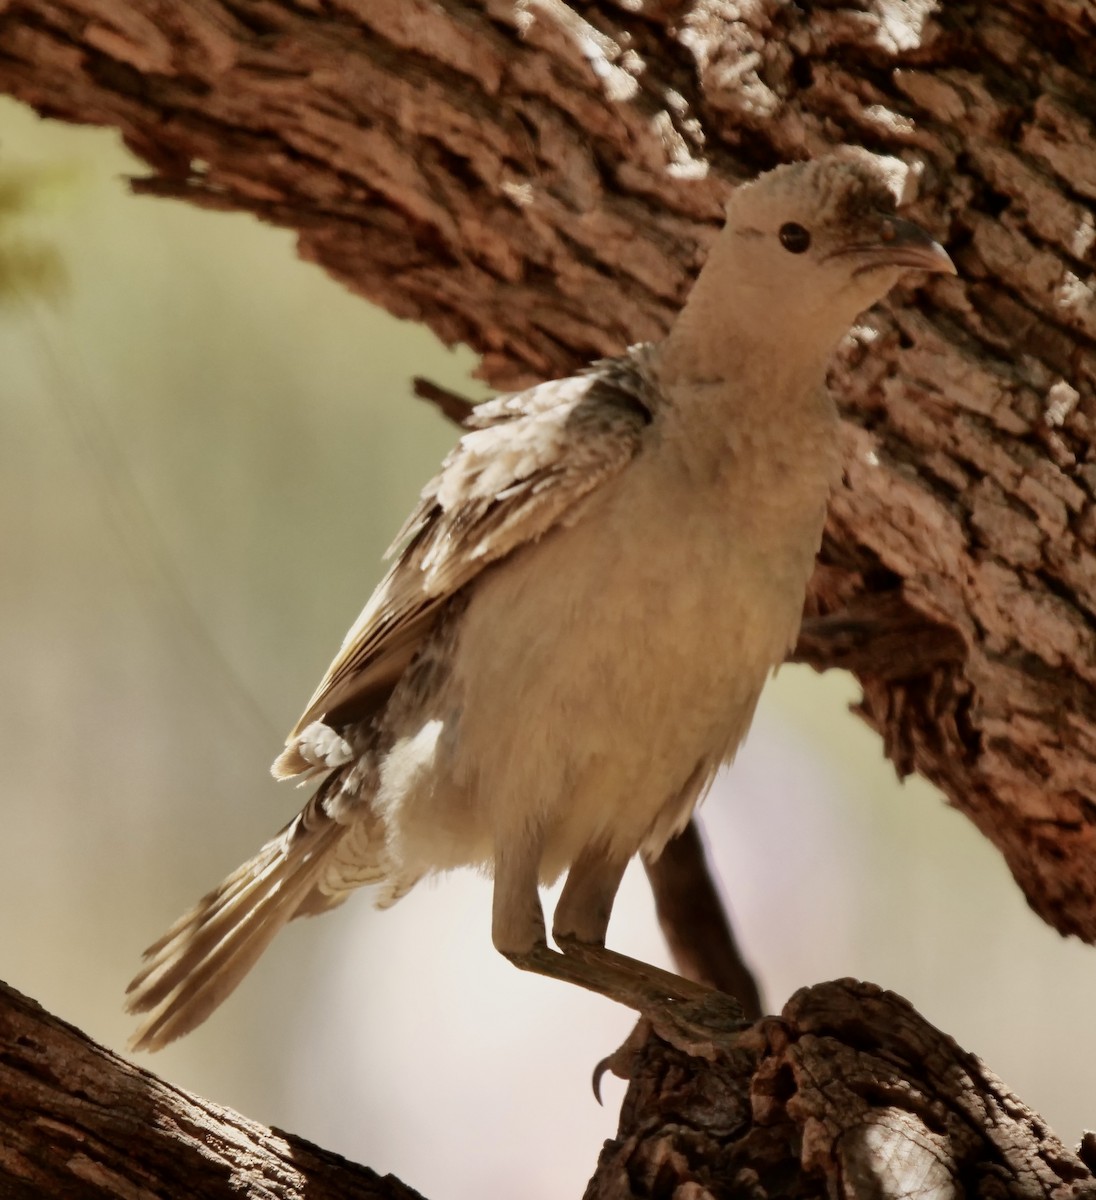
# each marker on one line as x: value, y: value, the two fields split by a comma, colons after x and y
x: 848, y: 1093
x: 541, y: 181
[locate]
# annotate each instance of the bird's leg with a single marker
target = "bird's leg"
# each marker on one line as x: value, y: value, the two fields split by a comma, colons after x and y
x: 689, y: 1014
x: 586, y: 902
x: 582, y: 918
x: 517, y: 930
x: 517, y: 919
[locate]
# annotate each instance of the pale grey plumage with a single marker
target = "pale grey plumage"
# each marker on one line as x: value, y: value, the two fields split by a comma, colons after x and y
x: 581, y: 613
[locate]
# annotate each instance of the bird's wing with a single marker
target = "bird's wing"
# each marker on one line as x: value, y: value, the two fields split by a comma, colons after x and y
x: 526, y: 466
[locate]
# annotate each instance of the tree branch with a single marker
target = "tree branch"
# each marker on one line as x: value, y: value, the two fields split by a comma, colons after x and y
x: 849, y: 1092
x: 78, y: 1121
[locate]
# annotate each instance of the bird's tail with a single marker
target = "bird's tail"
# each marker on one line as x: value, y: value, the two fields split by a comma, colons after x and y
x: 205, y: 954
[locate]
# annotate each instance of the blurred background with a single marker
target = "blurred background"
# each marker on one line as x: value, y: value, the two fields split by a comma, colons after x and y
x: 205, y: 446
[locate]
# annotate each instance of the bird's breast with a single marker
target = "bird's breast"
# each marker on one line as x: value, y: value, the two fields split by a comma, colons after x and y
x: 599, y: 667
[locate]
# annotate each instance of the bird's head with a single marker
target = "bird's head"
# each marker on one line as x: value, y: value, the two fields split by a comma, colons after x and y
x: 821, y: 241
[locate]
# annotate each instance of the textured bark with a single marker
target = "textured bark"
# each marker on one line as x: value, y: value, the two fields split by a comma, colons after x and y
x: 849, y: 1093
x: 80, y: 1123
x: 540, y: 181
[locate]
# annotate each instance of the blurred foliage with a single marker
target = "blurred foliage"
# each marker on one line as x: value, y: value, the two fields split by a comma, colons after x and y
x: 30, y: 265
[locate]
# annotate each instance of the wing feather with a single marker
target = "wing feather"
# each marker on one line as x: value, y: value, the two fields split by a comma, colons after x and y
x: 527, y: 465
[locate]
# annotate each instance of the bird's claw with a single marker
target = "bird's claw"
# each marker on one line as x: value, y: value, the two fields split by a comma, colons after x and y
x: 620, y: 1061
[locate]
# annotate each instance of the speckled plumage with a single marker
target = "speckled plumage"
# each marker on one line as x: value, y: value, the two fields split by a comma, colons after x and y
x: 582, y: 610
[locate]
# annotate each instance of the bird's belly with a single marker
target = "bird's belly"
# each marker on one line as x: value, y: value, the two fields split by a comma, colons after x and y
x: 596, y: 675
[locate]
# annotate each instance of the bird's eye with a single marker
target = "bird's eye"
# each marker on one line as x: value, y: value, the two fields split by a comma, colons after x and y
x: 794, y: 238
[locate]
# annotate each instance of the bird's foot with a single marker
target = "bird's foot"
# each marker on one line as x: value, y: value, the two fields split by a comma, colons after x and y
x: 695, y: 1018
x: 702, y: 1027
x: 620, y: 1063
x: 651, y: 982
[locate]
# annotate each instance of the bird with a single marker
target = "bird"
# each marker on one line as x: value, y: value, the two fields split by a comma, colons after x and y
x: 580, y: 614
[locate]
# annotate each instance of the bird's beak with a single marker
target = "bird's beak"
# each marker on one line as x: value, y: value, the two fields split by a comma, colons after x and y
x: 899, y: 243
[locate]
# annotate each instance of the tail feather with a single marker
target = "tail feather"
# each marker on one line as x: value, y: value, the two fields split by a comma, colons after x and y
x: 205, y: 954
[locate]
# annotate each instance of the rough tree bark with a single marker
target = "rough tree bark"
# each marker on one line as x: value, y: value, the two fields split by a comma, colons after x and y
x: 78, y: 1121
x: 541, y: 180
x: 848, y: 1093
